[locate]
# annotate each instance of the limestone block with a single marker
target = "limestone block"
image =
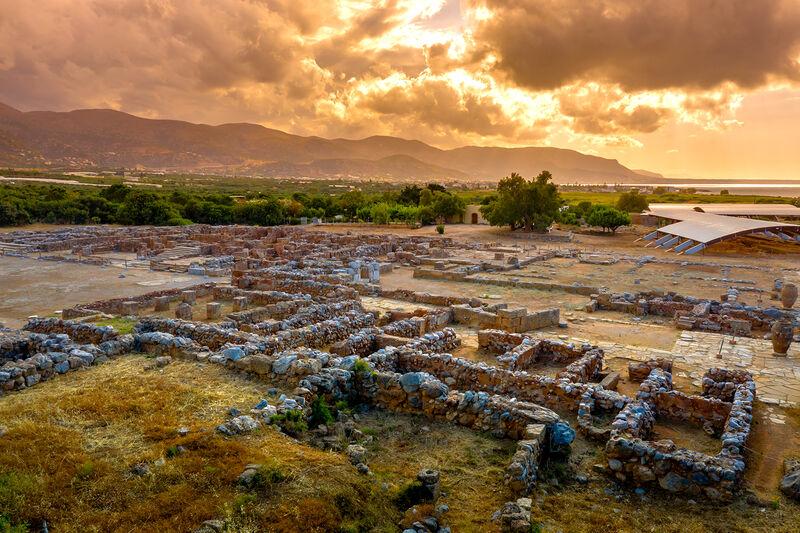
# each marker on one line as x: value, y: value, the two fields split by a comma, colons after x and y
x: 239, y: 303
x: 213, y: 310
x: 130, y: 308
x: 183, y: 311
x: 162, y: 303
x: 189, y: 297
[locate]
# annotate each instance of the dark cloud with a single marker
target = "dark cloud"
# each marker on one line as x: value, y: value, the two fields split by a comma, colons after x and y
x: 600, y: 111
x: 436, y: 103
x: 642, y: 44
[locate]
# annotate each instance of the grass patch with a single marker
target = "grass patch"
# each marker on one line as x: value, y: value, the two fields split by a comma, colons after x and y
x: 471, y: 464
x: 71, y: 444
x: 292, y: 422
x: 121, y: 325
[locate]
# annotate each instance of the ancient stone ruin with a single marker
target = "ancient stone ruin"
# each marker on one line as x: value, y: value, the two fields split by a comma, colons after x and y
x: 292, y: 313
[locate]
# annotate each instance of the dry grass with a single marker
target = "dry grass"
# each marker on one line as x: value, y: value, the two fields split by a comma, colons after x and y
x: 121, y: 325
x: 471, y: 464
x: 71, y: 443
x: 589, y: 509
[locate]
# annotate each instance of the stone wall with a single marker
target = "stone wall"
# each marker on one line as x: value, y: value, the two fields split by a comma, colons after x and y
x: 635, y: 460
x: 79, y: 331
x: 57, y: 354
x: 116, y: 306
x: 515, y: 320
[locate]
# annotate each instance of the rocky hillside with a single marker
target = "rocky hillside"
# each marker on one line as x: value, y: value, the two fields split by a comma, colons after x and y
x: 105, y: 138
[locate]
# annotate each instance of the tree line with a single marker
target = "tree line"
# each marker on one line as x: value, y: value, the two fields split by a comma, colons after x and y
x: 122, y: 204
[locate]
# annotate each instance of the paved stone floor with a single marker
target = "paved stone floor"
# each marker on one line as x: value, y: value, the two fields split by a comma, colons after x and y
x: 694, y: 352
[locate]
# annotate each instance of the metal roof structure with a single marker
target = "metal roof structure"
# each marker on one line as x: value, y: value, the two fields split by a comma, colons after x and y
x: 684, y: 211
x: 695, y: 230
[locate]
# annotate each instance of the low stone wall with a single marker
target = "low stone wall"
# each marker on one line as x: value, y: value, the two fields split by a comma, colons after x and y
x: 365, y: 342
x: 635, y: 460
x: 78, y: 331
x: 317, y: 289
x: 516, y: 319
x: 228, y: 293
x: 214, y: 337
x: 691, y: 313
x: 304, y: 317
x: 427, y: 298
x: 116, y: 306
x: 639, y: 371
x: 522, y: 472
x: 14, y: 345
x: 57, y: 355
x: 209, y: 335
x: 276, y: 311
x: 468, y: 375
x: 723, y: 383
x: 419, y: 392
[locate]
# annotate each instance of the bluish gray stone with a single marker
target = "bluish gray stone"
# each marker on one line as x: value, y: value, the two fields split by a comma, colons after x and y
x: 281, y: 365
x: 411, y: 381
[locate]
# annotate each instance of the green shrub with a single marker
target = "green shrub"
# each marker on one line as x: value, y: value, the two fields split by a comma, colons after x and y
x: 267, y: 477
x: 85, y: 471
x: 320, y: 412
x: 440, y: 229
x: 361, y: 366
x: 7, y: 527
x: 292, y: 422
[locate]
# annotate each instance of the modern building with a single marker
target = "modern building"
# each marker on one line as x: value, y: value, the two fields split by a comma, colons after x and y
x: 690, y: 228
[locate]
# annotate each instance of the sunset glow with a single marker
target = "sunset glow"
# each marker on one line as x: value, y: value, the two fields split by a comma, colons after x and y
x: 689, y: 88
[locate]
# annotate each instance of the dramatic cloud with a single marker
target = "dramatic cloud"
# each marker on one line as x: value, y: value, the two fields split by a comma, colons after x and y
x: 642, y: 44
x: 612, y: 77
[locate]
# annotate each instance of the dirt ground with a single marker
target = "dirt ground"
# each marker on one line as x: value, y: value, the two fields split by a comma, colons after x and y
x: 37, y: 287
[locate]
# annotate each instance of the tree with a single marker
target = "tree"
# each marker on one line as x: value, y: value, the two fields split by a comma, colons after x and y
x: 520, y: 203
x: 409, y: 195
x: 350, y: 201
x: 12, y: 214
x: 608, y: 218
x: 632, y: 202
x: 446, y: 205
x: 144, y: 207
x: 379, y: 213
x: 117, y: 192
x: 268, y: 212
x: 426, y: 197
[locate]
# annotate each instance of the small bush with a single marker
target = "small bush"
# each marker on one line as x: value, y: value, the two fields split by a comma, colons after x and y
x: 85, y: 471
x: 320, y: 412
x: 7, y: 527
x: 292, y: 422
x: 440, y: 229
x: 267, y: 477
x: 361, y: 366
x: 173, y: 451
x: 343, y: 406
x: 242, y: 501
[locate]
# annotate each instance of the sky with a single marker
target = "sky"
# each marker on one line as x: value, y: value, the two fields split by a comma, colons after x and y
x: 688, y: 88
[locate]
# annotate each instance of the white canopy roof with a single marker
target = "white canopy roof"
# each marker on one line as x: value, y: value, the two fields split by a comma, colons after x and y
x: 686, y: 211
x: 707, y: 228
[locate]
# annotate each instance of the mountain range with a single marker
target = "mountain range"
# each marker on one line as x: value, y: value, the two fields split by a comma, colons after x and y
x: 107, y: 139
